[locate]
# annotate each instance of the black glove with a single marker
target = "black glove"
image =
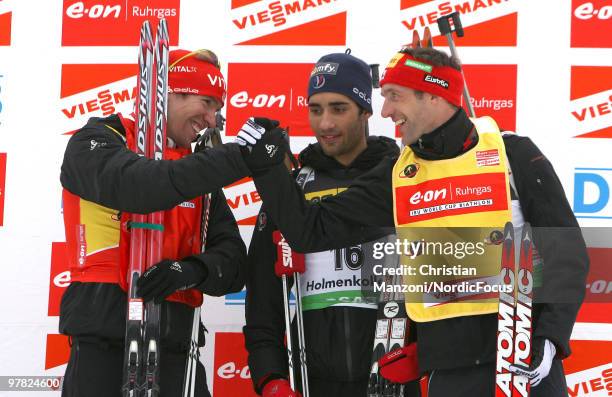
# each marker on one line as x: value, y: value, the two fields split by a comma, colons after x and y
x: 252, y: 131
x: 263, y: 143
x: 168, y: 276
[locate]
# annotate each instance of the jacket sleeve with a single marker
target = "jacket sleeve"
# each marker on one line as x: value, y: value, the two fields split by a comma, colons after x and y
x: 98, y: 167
x: 558, y: 239
x: 264, y: 331
x: 350, y: 217
x: 225, y: 253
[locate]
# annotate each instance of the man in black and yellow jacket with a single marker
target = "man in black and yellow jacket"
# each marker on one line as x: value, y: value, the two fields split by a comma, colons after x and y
x: 456, y: 344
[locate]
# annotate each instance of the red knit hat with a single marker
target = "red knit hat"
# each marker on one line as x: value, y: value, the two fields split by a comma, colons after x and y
x: 189, y: 75
x: 407, y: 71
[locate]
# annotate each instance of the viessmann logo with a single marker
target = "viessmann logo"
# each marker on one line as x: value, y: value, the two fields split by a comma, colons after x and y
x: 91, y: 90
x: 5, y: 23
x: 288, y: 22
x: 283, y: 99
x: 486, y: 22
x: 588, y: 370
x: 115, y: 22
x: 591, y: 102
x: 591, y: 23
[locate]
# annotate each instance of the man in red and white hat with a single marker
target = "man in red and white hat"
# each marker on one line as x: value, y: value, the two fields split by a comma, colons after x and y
x: 449, y: 160
x: 103, y: 182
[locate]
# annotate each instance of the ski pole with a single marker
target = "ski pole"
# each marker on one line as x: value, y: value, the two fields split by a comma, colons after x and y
x: 288, y: 332
x: 193, y: 357
x: 444, y: 24
x: 301, y: 339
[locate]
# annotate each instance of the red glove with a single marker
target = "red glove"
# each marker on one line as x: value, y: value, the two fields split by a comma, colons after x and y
x: 279, y: 388
x: 288, y: 262
x: 401, y: 365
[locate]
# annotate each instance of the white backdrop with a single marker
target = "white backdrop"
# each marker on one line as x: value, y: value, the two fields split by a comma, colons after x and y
x: 546, y: 66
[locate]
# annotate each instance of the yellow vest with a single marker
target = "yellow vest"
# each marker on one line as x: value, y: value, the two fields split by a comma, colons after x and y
x: 444, y: 204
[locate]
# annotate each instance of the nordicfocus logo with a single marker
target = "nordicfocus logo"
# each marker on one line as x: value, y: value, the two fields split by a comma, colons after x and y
x: 362, y: 95
x: 493, y: 22
x: 435, y: 80
x: 119, y: 20
x: 288, y: 22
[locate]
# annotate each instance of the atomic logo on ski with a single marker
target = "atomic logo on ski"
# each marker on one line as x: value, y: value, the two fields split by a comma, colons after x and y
x: 514, y: 314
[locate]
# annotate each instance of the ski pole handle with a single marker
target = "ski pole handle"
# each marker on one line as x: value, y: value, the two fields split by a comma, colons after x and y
x: 444, y: 24
x: 375, y: 75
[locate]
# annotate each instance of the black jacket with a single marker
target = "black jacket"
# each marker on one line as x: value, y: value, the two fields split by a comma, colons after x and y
x: 338, y: 339
x: 465, y: 340
x: 115, y: 177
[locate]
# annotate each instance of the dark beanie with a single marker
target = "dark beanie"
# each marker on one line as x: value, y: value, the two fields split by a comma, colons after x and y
x: 344, y: 74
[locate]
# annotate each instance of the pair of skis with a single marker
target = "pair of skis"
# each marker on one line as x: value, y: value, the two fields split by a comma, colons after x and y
x: 141, y: 359
x: 514, y: 315
x: 391, y: 334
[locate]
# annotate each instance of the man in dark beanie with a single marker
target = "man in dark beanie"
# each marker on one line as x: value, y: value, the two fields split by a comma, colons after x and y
x: 339, y: 320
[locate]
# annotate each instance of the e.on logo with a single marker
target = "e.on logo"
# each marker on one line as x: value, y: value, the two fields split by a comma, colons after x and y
x: 591, y: 23
x: 120, y: 20
x: 288, y: 22
x: 59, y: 277
x: 78, y: 10
x: 232, y: 375
x: 280, y: 93
x: 486, y: 22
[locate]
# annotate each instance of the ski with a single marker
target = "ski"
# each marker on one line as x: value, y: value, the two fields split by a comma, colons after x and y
x: 391, y: 334
x: 522, y: 315
x: 134, y: 319
x: 155, y: 147
x: 505, y: 317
